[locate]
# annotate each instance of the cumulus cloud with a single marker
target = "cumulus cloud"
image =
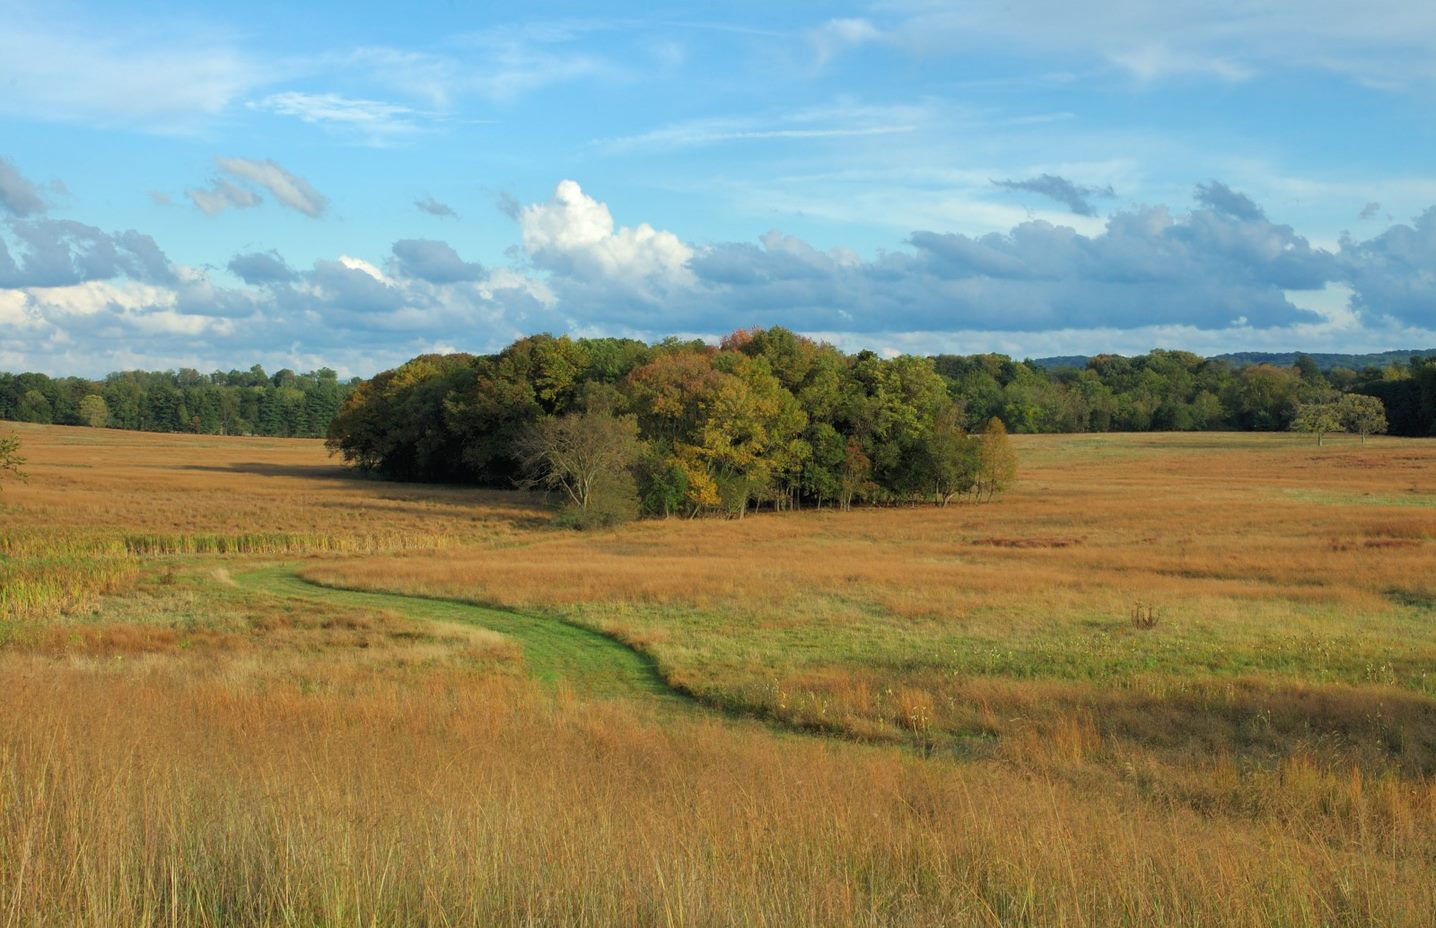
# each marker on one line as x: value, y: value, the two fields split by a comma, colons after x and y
x: 436, y: 208
x: 289, y: 189
x: 574, y: 235
x: 262, y: 267
x: 62, y: 252
x: 1076, y: 198
x: 1217, y: 275
x: 436, y: 262
x: 18, y: 196
x: 1218, y: 196
x: 1370, y: 210
x: 1208, y: 269
x: 1394, y: 274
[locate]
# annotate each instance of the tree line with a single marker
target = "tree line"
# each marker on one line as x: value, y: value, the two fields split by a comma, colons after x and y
x: 249, y: 402
x: 619, y: 427
x: 1158, y: 391
x: 1180, y: 391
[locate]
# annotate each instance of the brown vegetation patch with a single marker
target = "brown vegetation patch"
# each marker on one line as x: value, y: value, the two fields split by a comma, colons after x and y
x: 1000, y: 542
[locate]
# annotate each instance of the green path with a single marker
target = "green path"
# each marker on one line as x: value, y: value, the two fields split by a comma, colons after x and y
x: 590, y: 663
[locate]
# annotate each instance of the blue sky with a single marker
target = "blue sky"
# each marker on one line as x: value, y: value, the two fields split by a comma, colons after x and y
x: 351, y: 184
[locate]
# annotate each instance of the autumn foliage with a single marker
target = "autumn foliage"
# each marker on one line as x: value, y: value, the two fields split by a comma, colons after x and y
x: 769, y: 418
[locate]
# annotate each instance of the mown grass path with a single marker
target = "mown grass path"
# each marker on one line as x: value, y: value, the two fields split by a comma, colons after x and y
x: 589, y: 663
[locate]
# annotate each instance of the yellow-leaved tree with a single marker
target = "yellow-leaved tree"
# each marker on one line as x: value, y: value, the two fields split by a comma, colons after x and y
x: 996, y: 461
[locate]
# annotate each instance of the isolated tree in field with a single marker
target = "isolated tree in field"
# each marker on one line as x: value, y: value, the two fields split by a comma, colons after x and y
x: 94, y: 412
x: 1361, y: 414
x: 1317, y: 418
x: 996, y: 460
x: 586, y: 456
x: 10, y: 459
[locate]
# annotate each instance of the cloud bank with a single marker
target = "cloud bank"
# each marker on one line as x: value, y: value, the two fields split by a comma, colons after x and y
x: 1217, y: 275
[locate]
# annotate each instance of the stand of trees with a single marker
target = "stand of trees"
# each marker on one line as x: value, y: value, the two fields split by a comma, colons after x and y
x: 236, y: 403
x: 1179, y: 391
x: 1158, y: 391
x: 617, y: 426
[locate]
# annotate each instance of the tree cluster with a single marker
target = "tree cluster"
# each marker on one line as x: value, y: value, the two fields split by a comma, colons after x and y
x: 1179, y: 391
x: 236, y: 403
x: 617, y: 426
x: 1158, y: 391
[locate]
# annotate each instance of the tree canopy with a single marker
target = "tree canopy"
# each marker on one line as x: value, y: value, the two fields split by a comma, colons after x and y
x: 766, y: 418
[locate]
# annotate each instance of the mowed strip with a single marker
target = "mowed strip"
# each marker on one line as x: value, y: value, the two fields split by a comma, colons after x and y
x: 588, y: 663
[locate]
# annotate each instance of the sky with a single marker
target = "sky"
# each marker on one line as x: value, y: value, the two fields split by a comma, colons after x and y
x: 352, y: 184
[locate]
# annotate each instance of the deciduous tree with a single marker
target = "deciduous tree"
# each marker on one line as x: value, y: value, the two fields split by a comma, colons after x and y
x: 1318, y: 419
x: 996, y: 460
x: 1363, y: 415
x: 585, y: 456
x: 94, y: 411
x: 10, y: 459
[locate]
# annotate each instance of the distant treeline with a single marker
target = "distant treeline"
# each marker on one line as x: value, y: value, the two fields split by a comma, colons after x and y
x: 1324, y: 361
x: 1163, y: 390
x: 236, y: 403
x: 769, y: 415
x: 1179, y: 391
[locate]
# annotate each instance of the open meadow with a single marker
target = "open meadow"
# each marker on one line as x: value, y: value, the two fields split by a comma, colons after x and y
x: 1168, y: 679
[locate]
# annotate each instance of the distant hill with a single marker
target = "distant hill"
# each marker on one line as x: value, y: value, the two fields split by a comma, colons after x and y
x: 1328, y: 362
x: 1324, y: 362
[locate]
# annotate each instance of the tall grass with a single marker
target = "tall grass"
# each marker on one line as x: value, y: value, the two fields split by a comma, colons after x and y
x: 157, y: 800
x: 186, y: 751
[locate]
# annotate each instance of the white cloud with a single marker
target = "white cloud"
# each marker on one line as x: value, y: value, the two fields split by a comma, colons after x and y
x: 837, y: 121
x: 1153, y: 61
x: 838, y: 35
x: 1385, y: 43
x: 18, y: 196
x: 55, y: 68
x: 375, y: 121
x: 574, y: 232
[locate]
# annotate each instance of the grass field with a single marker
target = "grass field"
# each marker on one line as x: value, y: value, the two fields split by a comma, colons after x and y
x: 1169, y: 679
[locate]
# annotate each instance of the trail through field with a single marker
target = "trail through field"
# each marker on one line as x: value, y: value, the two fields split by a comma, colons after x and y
x: 589, y: 663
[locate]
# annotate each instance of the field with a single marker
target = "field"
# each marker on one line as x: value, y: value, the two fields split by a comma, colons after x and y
x: 1167, y: 680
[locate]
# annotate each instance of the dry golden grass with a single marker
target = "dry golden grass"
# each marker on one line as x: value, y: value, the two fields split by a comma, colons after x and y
x: 99, y: 502
x: 467, y: 802
x: 182, y: 750
x: 1270, y: 567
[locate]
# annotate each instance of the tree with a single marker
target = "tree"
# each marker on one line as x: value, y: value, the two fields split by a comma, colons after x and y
x: 10, y: 459
x: 1361, y: 414
x: 587, y: 457
x: 996, y: 461
x: 94, y: 412
x: 34, y: 407
x: 1318, y: 419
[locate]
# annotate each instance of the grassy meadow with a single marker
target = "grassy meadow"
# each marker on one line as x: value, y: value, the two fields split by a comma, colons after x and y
x: 1183, y: 679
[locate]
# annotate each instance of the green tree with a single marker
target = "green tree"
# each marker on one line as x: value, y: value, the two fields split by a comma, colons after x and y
x: 587, y: 457
x: 94, y: 412
x: 34, y: 407
x: 1318, y: 419
x: 996, y: 460
x: 1363, y: 415
x: 10, y: 459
